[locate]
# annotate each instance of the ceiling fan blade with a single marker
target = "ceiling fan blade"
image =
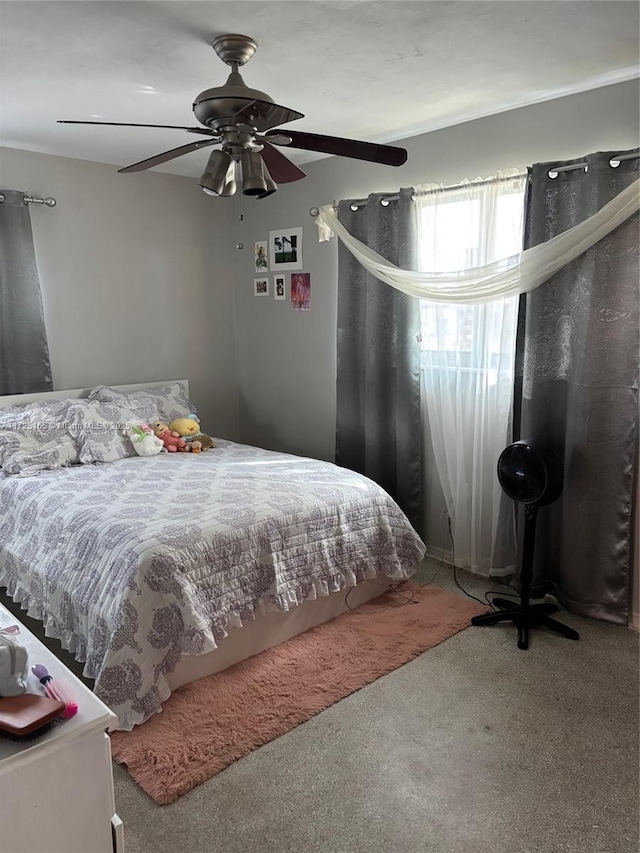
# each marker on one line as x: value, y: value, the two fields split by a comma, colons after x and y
x: 281, y: 169
x: 128, y: 124
x: 168, y: 155
x: 388, y: 155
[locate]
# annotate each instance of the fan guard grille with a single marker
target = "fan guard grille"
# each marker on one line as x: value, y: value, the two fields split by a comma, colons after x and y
x: 529, y: 475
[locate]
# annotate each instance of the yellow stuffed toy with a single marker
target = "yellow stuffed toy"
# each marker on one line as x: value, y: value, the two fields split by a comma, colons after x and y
x: 189, y: 429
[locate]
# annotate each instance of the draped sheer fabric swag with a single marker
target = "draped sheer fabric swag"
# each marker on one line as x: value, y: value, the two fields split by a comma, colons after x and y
x: 511, y: 276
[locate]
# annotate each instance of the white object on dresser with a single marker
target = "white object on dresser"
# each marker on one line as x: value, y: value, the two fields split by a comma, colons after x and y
x: 56, y: 792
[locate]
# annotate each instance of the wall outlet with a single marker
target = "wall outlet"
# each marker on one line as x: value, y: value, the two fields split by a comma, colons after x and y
x: 444, y: 513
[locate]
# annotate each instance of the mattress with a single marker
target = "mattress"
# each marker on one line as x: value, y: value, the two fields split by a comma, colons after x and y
x: 136, y: 563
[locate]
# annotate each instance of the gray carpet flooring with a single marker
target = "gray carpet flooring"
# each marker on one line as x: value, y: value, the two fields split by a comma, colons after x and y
x: 473, y: 747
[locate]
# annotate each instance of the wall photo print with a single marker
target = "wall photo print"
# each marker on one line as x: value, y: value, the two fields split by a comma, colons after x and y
x: 279, y: 289
x: 261, y: 287
x: 301, y: 291
x: 285, y: 249
x: 260, y: 257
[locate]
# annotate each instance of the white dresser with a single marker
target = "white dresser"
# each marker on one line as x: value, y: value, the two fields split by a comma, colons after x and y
x: 56, y: 792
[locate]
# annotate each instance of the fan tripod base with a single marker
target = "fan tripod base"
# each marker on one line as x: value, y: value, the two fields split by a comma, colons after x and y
x: 525, y: 616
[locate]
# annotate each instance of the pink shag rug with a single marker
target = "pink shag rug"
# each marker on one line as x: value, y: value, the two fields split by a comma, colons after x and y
x: 207, y: 725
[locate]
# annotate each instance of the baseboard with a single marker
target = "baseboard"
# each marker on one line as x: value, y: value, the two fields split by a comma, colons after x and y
x: 438, y: 555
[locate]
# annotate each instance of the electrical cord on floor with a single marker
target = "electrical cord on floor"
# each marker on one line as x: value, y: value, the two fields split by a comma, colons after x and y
x: 499, y: 592
x: 453, y: 560
x: 411, y: 599
x: 489, y: 591
x: 437, y: 571
x: 407, y: 596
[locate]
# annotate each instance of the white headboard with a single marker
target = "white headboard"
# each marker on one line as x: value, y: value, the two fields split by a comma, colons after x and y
x: 77, y: 393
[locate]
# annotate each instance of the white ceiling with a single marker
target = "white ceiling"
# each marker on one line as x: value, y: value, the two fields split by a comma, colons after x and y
x: 378, y: 71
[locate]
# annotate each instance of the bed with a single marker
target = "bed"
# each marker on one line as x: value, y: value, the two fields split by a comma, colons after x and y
x: 144, y: 568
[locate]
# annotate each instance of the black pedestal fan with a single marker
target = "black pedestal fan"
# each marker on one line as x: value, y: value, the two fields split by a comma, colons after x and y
x: 530, y: 475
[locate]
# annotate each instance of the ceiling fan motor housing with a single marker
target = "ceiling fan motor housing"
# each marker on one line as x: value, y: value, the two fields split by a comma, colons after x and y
x: 215, y: 107
x: 530, y: 474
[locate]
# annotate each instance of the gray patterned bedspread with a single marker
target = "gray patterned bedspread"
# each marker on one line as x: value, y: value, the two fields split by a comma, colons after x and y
x: 134, y: 563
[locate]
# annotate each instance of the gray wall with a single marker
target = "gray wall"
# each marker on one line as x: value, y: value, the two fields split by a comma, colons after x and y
x: 286, y: 359
x: 141, y: 279
x: 137, y: 280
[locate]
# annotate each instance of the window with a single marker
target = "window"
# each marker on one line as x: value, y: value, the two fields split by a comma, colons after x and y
x: 456, y: 234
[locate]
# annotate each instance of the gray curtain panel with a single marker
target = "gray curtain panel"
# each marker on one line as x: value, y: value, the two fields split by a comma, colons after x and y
x: 580, y: 389
x: 378, y: 431
x: 24, y: 354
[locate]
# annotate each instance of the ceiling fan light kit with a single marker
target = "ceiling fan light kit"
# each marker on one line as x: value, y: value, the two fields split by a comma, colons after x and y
x: 270, y: 184
x: 253, y: 182
x: 234, y: 116
x: 214, y: 177
x: 231, y: 184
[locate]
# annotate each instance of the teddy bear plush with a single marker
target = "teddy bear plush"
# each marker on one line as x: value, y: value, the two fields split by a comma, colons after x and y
x: 171, y: 440
x: 145, y: 443
x: 189, y: 429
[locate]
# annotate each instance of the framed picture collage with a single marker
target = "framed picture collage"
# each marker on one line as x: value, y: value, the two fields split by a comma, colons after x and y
x: 278, y: 269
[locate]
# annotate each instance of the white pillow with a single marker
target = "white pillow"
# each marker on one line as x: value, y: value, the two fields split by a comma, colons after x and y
x: 102, y: 430
x: 164, y: 402
x: 37, y: 437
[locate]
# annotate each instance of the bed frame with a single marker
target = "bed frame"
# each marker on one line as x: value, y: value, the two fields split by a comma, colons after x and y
x: 268, y: 629
x: 79, y: 393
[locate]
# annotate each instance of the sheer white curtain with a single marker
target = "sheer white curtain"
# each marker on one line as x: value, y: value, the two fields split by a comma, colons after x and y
x: 468, y: 353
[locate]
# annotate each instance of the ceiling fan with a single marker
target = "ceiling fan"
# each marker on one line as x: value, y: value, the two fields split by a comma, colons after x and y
x: 242, y: 120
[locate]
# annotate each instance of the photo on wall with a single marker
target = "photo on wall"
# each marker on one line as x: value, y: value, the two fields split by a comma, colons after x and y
x: 261, y: 287
x: 285, y: 249
x: 261, y: 260
x: 301, y: 291
x: 279, y: 289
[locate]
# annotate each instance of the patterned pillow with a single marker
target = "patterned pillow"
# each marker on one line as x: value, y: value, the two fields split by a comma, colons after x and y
x: 37, y: 437
x: 101, y: 430
x: 164, y: 402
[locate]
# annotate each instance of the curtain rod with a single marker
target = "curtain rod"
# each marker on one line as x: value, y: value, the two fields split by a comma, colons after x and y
x: 617, y: 158
x: 385, y: 200
x: 361, y: 202
x: 28, y: 199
